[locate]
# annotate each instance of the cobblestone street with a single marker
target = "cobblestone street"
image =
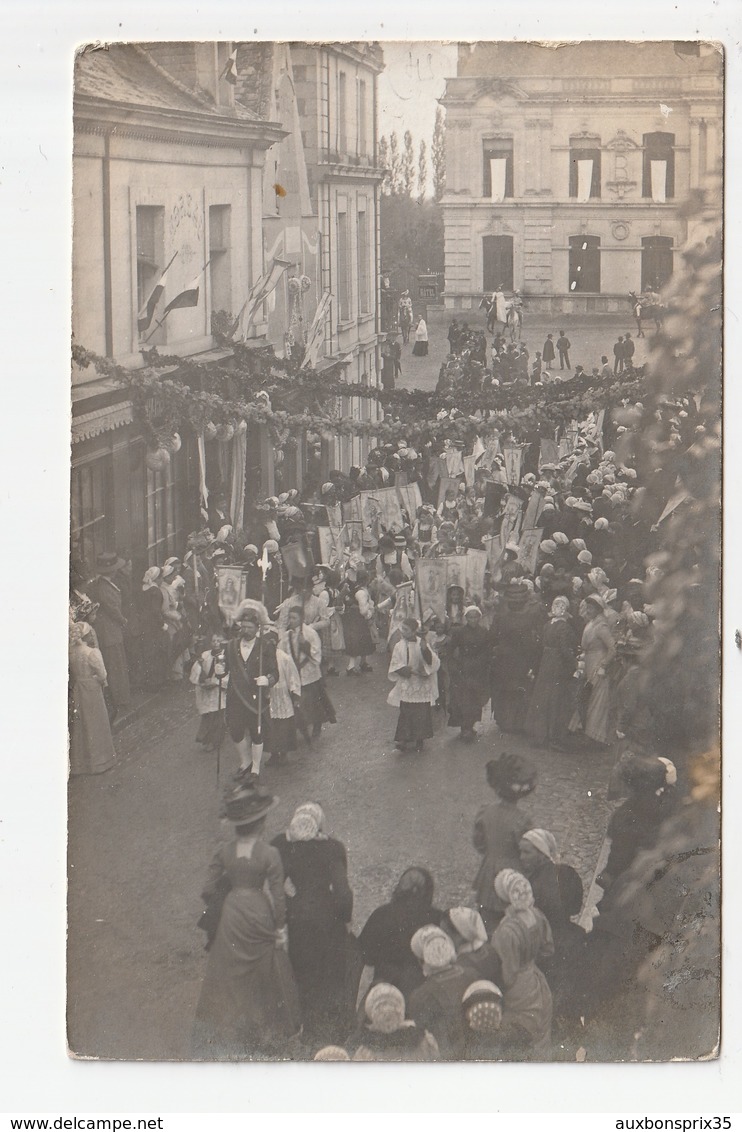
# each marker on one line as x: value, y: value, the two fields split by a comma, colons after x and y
x: 142, y: 835
x: 590, y: 335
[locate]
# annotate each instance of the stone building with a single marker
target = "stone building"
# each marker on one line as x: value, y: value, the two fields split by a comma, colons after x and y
x: 165, y: 164
x: 567, y: 168
x: 321, y: 188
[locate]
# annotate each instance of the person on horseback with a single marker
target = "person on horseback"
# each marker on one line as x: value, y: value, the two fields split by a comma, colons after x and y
x: 405, y: 315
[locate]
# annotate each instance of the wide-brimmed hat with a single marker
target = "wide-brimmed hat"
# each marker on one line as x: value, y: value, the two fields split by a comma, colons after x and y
x: 248, y: 804
x: 109, y: 562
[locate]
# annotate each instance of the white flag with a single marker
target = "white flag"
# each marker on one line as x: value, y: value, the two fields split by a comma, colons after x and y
x: 259, y: 292
x: 659, y: 181
x: 316, y: 334
x: 584, y: 178
x: 498, y: 171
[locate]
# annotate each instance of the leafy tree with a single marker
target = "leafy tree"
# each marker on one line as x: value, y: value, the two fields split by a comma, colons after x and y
x: 386, y: 184
x: 422, y: 171
x: 408, y: 165
x: 395, y: 165
x: 438, y: 155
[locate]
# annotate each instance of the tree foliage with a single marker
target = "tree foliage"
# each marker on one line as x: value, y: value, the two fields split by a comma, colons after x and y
x: 408, y: 165
x: 438, y: 155
x: 422, y: 171
x: 395, y: 165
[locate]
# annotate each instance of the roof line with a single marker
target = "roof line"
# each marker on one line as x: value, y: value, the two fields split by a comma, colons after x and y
x: 196, y: 95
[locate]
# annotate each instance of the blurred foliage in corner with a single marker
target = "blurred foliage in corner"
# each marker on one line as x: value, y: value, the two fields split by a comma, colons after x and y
x: 683, y: 670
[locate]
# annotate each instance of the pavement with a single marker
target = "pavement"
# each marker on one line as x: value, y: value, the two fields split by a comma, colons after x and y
x: 591, y: 336
x: 141, y: 837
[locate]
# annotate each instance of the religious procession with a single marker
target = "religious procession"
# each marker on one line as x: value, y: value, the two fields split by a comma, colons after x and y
x: 414, y: 665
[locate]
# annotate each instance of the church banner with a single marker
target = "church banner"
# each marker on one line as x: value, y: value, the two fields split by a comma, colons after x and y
x: 430, y: 581
x: 534, y: 508
x: 410, y: 498
x: 491, y: 449
x: 528, y: 549
x: 511, y: 519
x: 326, y: 545
x: 476, y: 565
x: 404, y: 607
x: 513, y: 462
x: 232, y: 588
x: 444, y: 485
x: 549, y: 453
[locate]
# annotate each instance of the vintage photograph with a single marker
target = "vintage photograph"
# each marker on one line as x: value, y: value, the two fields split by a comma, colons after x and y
x: 395, y: 551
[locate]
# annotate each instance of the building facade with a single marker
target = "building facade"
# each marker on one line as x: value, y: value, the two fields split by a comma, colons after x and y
x: 567, y: 169
x: 336, y: 88
x: 166, y: 167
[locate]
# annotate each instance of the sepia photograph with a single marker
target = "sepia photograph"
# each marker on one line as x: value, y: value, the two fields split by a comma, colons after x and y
x: 395, y: 551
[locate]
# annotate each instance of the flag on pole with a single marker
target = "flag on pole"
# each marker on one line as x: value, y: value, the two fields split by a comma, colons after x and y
x: 230, y: 71
x: 187, y: 298
x: 316, y: 334
x: 584, y: 178
x: 259, y: 292
x: 144, y: 318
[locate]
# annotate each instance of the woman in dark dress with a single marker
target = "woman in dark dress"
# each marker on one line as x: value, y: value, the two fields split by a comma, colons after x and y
x: 248, y: 1006
x: 154, y: 642
x: 469, y: 658
x: 319, y: 909
x: 385, y: 940
x: 552, y: 701
x: 498, y: 828
x: 517, y: 630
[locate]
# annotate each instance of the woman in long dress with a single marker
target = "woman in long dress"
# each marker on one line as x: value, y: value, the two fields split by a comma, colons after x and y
x: 522, y: 937
x: 469, y: 659
x: 357, y: 618
x: 599, y: 649
x: 551, y: 703
x: 498, y: 828
x: 413, y: 669
x: 91, y: 745
x: 420, y: 349
x: 319, y: 912
x: 248, y: 1005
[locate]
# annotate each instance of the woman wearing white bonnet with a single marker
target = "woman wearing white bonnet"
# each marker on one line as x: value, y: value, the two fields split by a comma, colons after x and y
x: 387, y: 1035
x: 522, y: 937
x: 436, y: 1005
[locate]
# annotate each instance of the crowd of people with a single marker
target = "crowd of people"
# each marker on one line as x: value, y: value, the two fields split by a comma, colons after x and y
x: 511, y: 977
x: 551, y: 641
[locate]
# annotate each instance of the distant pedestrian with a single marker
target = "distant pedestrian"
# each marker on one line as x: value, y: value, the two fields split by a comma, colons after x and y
x: 91, y: 745
x: 420, y: 349
x: 563, y: 345
x: 605, y: 369
x: 628, y: 352
x: 109, y: 628
x: 548, y: 353
x: 618, y: 355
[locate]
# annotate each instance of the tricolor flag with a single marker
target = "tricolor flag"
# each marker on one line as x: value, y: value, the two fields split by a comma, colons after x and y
x: 259, y: 292
x: 229, y: 74
x: 316, y: 334
x: 187, y: 298
x: 144, y: 318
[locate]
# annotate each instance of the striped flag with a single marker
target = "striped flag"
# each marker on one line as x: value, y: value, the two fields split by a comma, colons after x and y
x: 259, y: 292
x: 144, y: 318
x: 229, y: 74
x: 316, y: 334
x: 187, y: 298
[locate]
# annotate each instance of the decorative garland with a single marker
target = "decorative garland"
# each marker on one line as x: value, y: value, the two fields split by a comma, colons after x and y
x: 217, y: 400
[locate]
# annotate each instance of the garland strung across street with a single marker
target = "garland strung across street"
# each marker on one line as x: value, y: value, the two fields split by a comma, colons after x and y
x: 258, y: 388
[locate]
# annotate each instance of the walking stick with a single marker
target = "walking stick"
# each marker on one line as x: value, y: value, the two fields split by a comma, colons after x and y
x: 264, y: 568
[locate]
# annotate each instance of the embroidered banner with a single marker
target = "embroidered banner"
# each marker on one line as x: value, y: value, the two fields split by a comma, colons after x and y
x: 528, y: 549
x: 533, y: 509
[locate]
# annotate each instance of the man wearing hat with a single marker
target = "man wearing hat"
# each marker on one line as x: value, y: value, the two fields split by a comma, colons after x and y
x: 253, y: 670
x: 109, y: 627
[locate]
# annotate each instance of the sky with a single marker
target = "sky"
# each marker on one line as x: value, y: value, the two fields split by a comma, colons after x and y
x: 414, y: 76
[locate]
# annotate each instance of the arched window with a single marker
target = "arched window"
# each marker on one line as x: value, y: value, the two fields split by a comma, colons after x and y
x: 658, y: 176
x: 584, y: 264
x: 656, y: 262
x: 497, y: 262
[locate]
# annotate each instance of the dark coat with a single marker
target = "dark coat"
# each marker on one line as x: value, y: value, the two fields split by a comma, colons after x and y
x: 242, y: 677
x: 109, y: 620
x: 385, y: 942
